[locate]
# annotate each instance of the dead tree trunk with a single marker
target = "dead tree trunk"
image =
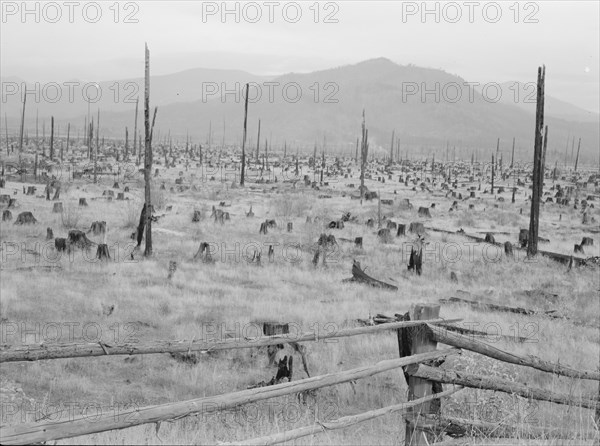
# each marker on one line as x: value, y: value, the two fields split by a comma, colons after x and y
x: 244, y: 137
x: 148, y: 154
x: 537, y: 161
x: 577, y: 157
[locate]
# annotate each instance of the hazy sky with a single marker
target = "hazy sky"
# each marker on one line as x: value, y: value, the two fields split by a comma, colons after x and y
x: 184, y: 35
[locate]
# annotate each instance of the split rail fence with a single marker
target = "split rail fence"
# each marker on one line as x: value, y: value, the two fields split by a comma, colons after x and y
x: 419, y: 358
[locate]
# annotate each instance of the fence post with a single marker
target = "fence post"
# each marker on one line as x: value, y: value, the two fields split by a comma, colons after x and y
x: 413, y: 341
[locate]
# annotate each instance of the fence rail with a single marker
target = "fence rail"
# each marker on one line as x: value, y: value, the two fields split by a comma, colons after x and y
x: 77, y: 350
x: 28, y: 433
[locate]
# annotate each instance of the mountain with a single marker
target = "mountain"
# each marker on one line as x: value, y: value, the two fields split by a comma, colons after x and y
x: 68, y: 99
x: 523, y: 95
x: 427, y: 108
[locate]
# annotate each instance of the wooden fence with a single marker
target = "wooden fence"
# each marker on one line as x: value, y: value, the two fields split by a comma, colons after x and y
x: 419, y: 357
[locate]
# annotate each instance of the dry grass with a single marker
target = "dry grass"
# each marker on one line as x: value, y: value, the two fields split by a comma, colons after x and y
x: 203, y: 300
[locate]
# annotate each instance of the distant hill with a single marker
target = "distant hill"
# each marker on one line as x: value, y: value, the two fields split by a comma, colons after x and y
x: 390, y: 94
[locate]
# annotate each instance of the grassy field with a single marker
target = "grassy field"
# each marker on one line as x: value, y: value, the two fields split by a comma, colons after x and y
x: 232, y: 296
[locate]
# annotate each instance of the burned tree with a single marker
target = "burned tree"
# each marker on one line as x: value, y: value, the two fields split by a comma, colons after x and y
x: 537, y: 165
x: 244, y: 137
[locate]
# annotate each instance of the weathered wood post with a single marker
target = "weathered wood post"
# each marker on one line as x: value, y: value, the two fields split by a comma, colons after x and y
x: 412, y: 341
x: 532, y: 246
x: 244, y: 137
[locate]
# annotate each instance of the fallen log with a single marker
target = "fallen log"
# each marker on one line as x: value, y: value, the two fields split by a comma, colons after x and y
x: 358, y: 275
x: 490, y: 306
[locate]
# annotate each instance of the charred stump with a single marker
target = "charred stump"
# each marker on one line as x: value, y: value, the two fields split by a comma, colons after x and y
x: 82, y: 202
x: 508, y: 249
x: 401, y: 230
x: 57, y: 208
x: 49, y: 234
x: 25, y: 218
x: 6, y: 215
x: 204, y: 253
x: 102, y: 252
x: 98, y: 228
x: 60, y: 244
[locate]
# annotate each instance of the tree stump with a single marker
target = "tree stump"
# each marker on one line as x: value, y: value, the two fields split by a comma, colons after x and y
x: 6, y: 215
x: 120, y: 196
x: 417, y: 227
x: 401, y: 230
x: 523, y: 237
x: 82, y: 202
x: 49, y: 234
x: 102, y: 252
x: 271, y: 254
x: 290, y: 226
x: 508, y: 249
x: 453, y: 277
x: 424, y: 212
x: 587, y: 241
x: 60, y: 244
x: 172, y: 269
x: 25, y: 218
x: 126, y: 189
x: 489, y: 238
x: 273, y: 329
x: 250, y: 214
x: 98, y: 227
x: 78, y: 239
x: 196, y: 217
x: 578, y: 249
x: 384, y: 235
x: 57, y: 208
x: 204, y: 253
x: 358, y: 242
x: 11, y: 203
x: 116, y: 185
x: 263, y: 228
x: 4, y: 198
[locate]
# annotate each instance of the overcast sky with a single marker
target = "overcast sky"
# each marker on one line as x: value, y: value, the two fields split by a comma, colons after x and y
x: 184, y: 35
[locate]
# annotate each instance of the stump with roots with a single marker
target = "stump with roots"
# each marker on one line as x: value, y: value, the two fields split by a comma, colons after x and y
x: 98, y: 228
x: 508, y: 249
x: 78, y: 239
x: 384, y: 235
x: 49, y: 234
x: 204, y: 253
x: 401, y: 230
x: 424, y: 212
x: 60, y: 244
x: 172, y: 269
x: 102, y: 252
x: 25, y: 218
x: 57, y: 208
x: 196, y: 217
x: 417, y: 227
x: 6, y: 215
x: 82, y: 202
x: 489, y: 238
